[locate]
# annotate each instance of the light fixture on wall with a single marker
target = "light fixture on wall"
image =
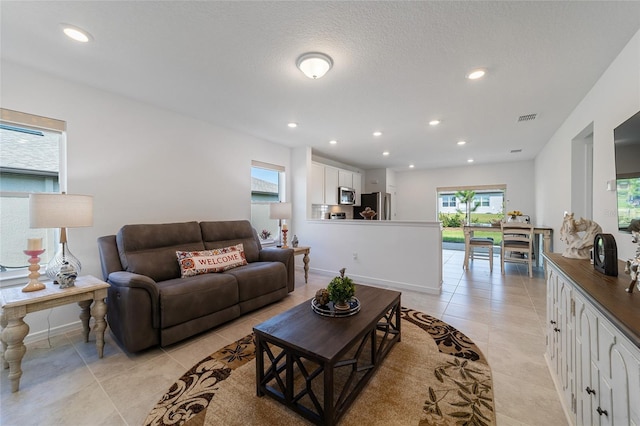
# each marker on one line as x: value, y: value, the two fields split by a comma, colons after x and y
x: 61, y: 211
x: 314, y: 64
x: 281, y: 211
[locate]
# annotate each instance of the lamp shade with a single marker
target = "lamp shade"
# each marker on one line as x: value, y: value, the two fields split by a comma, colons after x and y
x: 60, y: 210
x: 280, y: 211
x: 314, y: 65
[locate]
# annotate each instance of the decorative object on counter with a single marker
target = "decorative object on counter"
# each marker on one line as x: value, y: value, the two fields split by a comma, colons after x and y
x: 632, y: 266
x: 265, y: 234
x: 329, y: 310
x: 322, y: 297
x: 368, y: 214
x: 280, y: 211
x: 294, y: 241
x: 47, y: 210
x: 341, y: 290
x: 578, y: 246
x: 605, y: 254
x: 67, y: 276
x: 518, y: 216
x: 34, y: 251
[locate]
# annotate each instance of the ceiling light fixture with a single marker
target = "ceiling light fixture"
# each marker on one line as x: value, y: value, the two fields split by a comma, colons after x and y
x: 385, y: 153
x: 476, y: 74
x: 333, y: 142
x: 462, y: 142
x: 470, y: 160
x: 377, y: 133
x: 434, y: 122
x: 314, y: 65
x: 77, y: 34
x: 411, y: 166
x: 292, y: 125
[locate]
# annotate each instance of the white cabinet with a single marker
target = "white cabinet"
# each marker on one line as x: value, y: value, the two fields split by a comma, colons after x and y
x: 595, y: 366
x: 357, y: 185
x: 316, y: 189
x: 330, y: 186
x: 345, y: 178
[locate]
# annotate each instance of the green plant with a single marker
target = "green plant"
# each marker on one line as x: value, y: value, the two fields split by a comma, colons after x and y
x: 450, y: 220
x: 341, y: 288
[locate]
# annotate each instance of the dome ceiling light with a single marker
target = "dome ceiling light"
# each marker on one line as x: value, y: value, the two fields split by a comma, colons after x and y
x: 314, y: 65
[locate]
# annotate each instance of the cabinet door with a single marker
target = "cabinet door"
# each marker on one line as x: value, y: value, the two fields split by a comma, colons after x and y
x: 316, y: 194
x: 345, y: 178
x: 552, y: 319
x: 565, y: 350
x: 330, y: 186
x: 587, y: 373
x: 357, y: 185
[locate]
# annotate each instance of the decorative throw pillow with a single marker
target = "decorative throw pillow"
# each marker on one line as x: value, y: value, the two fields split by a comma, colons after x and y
x: 206, y: 261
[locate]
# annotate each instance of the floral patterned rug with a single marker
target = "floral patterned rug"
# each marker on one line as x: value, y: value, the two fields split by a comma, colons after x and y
x: 434, y: 376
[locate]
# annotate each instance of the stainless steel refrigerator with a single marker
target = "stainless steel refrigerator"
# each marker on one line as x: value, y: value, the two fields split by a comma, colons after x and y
x: 378, y: 201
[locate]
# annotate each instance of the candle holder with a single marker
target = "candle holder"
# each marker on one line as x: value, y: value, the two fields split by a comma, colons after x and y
x: 284, y: 238
x: 34, y: 274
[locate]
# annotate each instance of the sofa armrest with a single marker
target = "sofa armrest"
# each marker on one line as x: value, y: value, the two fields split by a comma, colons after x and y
x: 123, y: 279
x: 274, y: 254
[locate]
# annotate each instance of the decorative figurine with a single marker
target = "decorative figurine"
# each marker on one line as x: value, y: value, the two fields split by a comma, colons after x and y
x: 367, y: 213
x: 632, y: 266
x: 67, y: 275
x: 294, y: 242
x: 578, y: 247
x: 322, y: 297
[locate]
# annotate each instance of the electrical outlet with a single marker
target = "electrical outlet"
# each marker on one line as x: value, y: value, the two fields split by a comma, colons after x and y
x: 355, y: 256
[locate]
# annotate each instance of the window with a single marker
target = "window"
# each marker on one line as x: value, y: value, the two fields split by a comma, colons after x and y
x: 483, y: 203
x: 267, y: 186
x: 30, y: 161
x: 448, y: 200
x: 482, y: 200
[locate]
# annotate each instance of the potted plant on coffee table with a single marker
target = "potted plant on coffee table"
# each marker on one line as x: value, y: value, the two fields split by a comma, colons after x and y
x: 341, y: 289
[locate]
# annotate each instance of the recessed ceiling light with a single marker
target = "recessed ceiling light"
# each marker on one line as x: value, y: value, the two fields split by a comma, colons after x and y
x: 292, y: 125
x: 434, y: 122
x: 470, y: 160
x: 411, y: 166
x: 476, y: 74
x: 377, y: 133
x: 77, y: 34
x: 385, y: 153
x: 462, y: 142
x: 333, y: 142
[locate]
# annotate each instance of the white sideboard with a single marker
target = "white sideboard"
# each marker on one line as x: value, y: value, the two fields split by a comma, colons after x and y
x: 593, y: 343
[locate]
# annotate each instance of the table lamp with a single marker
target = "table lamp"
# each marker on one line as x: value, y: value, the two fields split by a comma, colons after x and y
x: 281, y: 211
x: 47, y: 210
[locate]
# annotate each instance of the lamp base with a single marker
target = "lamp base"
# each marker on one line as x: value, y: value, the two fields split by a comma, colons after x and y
x: 34, y: 274
x: 63, y: 255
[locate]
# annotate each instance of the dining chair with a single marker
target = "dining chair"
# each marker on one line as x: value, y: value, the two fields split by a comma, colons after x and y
x: 517, y: 244
x: 475, y: 243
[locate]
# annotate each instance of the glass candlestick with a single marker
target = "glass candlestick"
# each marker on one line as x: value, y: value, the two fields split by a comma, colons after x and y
x: 34, y: 268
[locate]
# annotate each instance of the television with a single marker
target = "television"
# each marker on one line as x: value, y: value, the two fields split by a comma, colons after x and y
x: 627, y: 152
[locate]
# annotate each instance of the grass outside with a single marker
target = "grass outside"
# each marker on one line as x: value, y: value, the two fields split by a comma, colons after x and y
x: 456, y: 235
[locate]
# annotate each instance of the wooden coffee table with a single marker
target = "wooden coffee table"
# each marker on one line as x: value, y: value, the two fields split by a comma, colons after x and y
x: 317, y: 365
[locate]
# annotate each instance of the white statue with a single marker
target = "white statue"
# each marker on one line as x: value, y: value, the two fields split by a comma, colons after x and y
x: 632, y: 266
x: 578, y: 246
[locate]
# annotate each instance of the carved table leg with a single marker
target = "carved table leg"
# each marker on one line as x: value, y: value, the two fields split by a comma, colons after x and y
x: 84, y: 317
x: 13, y: 335
x: 305, y: 259
x: 98, y: 311
x: 3, y: 325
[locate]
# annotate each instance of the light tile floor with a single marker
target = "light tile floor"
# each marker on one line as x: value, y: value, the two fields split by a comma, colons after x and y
x: 64, y: 382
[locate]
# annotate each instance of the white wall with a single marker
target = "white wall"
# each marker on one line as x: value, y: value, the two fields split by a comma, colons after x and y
x: 142, y: 164
x: 416, y: 189
x: 613, y: 99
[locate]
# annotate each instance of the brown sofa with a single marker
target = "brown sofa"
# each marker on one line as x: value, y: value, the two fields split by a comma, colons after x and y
x: 150, y: 304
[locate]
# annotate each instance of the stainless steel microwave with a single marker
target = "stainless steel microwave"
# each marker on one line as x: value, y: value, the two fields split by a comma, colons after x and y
x: 346, y: 195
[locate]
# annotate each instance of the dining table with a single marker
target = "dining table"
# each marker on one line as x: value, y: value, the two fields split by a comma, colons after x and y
x: 544, y: 233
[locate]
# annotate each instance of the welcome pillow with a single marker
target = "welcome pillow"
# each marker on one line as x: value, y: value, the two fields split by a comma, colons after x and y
x: 206, y: 261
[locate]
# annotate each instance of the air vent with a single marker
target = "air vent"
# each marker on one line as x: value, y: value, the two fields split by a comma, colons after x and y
x: 515, y: 151
x: 527, y: 117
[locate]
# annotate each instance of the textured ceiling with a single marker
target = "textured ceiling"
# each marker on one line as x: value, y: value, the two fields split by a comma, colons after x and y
x: 397, y: 65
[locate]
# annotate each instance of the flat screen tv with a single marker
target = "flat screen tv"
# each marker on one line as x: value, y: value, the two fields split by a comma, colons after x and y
x: 627, y: 150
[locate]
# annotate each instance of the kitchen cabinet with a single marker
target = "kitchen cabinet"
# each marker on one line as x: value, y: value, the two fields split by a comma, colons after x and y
x: 594, y: 355
x: 330, y: 186
x: 325, y: 181
x: 316, y: 189
x: 345, y: 178
x: 357, y: 185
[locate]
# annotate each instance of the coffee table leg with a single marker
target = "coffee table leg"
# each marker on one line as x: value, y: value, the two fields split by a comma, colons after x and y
x: 98, y: 311
x: 85, y: 315
x: 259, y: 365
x: 329, y: 412
x: 13, y: 335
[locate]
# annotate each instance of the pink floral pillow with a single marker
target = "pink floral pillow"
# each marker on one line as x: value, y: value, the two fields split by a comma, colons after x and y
x: 206, y: 261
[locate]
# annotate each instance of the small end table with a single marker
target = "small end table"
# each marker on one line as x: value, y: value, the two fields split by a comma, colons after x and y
x: 16, y: 305
x: 304, y: 250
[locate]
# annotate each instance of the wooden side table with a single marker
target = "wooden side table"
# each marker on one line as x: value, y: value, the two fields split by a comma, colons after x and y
x: 16, y: 305
x: 304, y: 250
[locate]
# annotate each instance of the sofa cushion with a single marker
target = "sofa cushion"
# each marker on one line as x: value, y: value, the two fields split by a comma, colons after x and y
x: 151, y: 249
x: 207, y: 261
x: 258, y: 278
x: 232, y: 232
x: 184, y: 299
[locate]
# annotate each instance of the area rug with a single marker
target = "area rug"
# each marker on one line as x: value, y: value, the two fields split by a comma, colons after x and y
x: 434, y: 376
